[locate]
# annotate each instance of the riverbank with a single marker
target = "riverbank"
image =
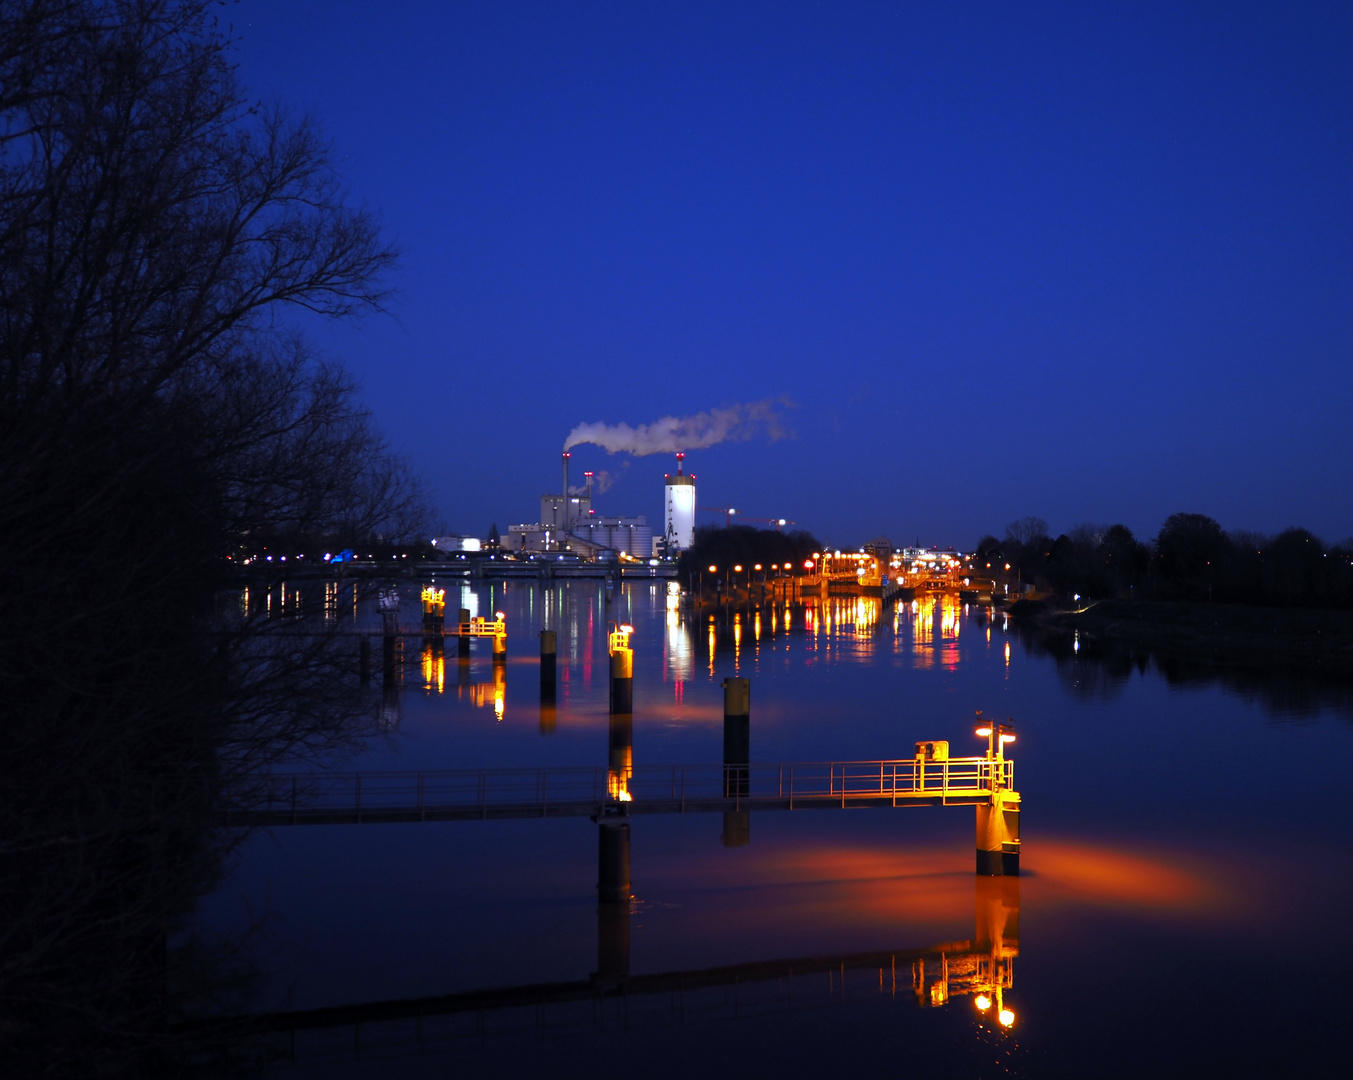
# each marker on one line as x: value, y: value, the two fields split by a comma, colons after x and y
x: 1319, y: 642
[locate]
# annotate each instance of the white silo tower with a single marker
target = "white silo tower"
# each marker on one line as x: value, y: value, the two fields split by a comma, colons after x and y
x: 680, y: 515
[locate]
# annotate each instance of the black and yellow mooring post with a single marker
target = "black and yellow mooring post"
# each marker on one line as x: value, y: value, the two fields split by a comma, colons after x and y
x: 548, y: 645
x: 434, y: 610
x: 463, y: 630
x: 548, y: 685
x: 622, y: 670
x: 737, y: 747
x: 620, y: 760
x: 737, y: 735
x: 998, y: 818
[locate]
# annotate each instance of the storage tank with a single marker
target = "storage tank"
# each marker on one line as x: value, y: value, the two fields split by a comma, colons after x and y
x: 638, y: 541
x: 680, y: 515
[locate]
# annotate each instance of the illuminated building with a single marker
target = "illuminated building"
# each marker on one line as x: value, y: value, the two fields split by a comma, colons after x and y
x: 679, y: 530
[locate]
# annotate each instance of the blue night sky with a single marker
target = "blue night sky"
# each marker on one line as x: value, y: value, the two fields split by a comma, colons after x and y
x: 1087, y: 261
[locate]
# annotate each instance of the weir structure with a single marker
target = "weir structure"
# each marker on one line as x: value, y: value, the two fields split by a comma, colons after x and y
x: 612, y: 798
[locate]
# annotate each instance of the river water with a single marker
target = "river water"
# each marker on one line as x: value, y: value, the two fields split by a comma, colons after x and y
x: 1181, y: 909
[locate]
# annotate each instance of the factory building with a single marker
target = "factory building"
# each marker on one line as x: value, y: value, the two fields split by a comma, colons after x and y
x: 569, y: 524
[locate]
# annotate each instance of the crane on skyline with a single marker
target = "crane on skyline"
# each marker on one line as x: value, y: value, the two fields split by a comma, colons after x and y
x: 729, y: 511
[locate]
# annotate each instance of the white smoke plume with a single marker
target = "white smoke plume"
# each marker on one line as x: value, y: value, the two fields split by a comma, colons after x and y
x: 602, y: 482
x: 673, y: 433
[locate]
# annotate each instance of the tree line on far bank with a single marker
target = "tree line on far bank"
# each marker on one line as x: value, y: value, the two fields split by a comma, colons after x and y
x: 1191, y: 558
x: 745, y: 546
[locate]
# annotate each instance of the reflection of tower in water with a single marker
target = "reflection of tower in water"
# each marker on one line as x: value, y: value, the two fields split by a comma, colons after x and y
x: 984, y: 967
x: 678, y: 655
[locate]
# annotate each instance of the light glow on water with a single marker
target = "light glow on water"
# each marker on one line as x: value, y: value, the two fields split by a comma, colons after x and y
x: 1159, y: 806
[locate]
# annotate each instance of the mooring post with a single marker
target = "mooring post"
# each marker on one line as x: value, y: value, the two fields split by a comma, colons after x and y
x: 737, y: 696
x: 622, y: 673
x: 434, y: 609
x: 364, y: 659
x: 548, y: 646
x: 463, y: 639
x: 499, y: 639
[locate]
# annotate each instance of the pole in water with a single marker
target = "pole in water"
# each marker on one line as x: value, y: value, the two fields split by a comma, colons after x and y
x: 548, y: 687
x: 622, y: 681
x: 622, y: 670
x: 737, y: 736
x: 499, y: 639
x: 364, y: 660
x: 463, y: 641
x: 548, y: 651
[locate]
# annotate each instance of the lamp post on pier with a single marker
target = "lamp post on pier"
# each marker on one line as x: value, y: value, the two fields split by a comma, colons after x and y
x: 998, y: 818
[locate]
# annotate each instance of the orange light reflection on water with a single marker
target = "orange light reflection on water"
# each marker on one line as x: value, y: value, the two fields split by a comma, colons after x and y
x: 869, y: 891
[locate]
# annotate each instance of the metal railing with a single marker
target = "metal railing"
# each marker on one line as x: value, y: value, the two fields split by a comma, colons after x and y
x: 650, y: 788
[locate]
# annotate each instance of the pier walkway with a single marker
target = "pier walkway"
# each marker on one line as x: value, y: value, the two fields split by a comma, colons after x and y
x: 490, y: 794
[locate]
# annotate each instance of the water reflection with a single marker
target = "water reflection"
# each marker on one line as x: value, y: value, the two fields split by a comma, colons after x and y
x: 978, y: 971
x: 678, y: 655
x: 713, y: 922
x: 1099, y: 670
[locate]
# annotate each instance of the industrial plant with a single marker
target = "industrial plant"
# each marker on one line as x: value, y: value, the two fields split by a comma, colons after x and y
x: 569, y: 525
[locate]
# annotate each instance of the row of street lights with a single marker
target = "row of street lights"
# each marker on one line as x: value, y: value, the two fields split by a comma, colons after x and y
x: 780, y: 570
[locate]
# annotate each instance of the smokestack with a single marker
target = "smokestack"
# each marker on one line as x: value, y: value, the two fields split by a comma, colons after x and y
x: 680, y: 458
x: 589, y: 488
x: 567, y: 455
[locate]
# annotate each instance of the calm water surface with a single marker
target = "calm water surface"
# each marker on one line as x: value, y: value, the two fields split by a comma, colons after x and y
x: 1181, y: 912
